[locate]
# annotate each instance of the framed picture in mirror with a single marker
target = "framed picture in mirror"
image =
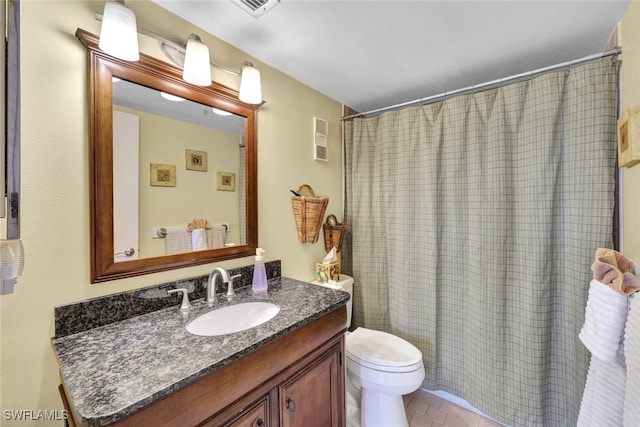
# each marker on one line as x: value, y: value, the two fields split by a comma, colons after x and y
x: 196, y: 160
x: 163, y: 175
x: 226, y: 181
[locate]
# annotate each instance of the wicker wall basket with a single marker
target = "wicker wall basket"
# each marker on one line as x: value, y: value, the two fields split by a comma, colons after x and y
x: 308, y: 211
x: 333, y: 235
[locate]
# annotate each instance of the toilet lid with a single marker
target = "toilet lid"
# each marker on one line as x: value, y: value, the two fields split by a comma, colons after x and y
x: 381, y: 349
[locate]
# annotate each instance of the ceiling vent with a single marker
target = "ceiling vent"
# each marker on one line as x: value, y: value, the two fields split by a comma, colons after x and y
x: 256, y: 8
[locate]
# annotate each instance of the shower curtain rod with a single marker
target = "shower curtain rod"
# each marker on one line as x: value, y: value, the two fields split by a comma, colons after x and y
x: 491, y: 84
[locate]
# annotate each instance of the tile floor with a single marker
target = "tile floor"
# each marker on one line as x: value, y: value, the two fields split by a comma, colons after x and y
x: 427, y: 410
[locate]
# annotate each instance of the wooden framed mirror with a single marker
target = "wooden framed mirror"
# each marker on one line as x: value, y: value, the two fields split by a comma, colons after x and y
x: 222, y: 191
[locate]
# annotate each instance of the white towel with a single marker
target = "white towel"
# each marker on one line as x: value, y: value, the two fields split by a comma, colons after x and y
x: 199, y: 239
x: 215, y: 237
x: 603, y: 398
x: 632, y: 350
x: 605, y: 317
x: 177, y: 241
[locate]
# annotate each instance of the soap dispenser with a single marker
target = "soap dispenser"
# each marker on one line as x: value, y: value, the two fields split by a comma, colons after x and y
x: 259, y: 273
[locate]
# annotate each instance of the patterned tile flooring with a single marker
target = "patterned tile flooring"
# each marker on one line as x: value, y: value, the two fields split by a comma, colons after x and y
x: 428, y: 410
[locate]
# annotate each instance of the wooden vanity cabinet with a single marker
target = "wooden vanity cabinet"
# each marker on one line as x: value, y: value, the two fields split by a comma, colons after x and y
x: 296, y: 380
x: 311, y: 397
x: 307, y: 394
x: 256, y: 415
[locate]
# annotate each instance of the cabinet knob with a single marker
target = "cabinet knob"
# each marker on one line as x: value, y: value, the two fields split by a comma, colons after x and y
x: 290, y: 404
x: 260, y: 422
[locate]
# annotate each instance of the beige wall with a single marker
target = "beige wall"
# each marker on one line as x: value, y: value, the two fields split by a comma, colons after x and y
x: 631, y: 97
x: 55, y: 184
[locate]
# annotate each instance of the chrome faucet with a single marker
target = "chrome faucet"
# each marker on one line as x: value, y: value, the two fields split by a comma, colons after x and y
x: 210, y: 296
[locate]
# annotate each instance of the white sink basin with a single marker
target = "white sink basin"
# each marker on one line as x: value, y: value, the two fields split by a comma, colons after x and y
x: 233, y: 318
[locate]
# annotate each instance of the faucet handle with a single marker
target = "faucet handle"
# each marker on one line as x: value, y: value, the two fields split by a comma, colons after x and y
x: 186, y: 304
x: 230, y: 290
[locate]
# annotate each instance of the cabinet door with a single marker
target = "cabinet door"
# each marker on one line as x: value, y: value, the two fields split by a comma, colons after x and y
x: 312, y: 397
x: 256, y: 417
x: 255, y: 414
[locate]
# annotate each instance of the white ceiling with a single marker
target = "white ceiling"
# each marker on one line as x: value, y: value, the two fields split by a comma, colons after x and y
x: 373, y: 54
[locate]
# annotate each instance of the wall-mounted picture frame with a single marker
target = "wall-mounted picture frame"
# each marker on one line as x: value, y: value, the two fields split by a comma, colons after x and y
x: 195, y: 160
x: 162, y: 175
x: 629, y: 137
x: 226, y: 181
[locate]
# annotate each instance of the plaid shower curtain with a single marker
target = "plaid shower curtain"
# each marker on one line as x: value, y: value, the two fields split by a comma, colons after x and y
x: 473, y: 224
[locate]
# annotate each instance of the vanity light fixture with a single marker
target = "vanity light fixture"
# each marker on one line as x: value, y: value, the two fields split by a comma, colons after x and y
x: 170, y: 97
x: 118, y: 34
x: 250, y: 86
x: 196, y: 69
x: 221, y: 112
x: 192, y: 55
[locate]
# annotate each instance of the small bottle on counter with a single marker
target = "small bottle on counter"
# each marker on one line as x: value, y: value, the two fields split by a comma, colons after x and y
x: 259, y: 273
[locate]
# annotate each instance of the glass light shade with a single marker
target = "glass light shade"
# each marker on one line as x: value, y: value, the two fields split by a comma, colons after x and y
x: 170, y: 97
x: 197, y: 67
x: 250, y: 86
x: 119, y: 34
x: 221, y: 112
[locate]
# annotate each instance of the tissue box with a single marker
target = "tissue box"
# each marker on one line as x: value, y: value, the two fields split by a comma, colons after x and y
x: 326, y: 272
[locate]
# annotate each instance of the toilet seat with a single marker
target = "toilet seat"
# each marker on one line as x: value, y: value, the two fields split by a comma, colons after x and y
x: 382, y: 351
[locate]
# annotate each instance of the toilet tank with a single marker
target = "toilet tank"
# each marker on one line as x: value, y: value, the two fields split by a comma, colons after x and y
x: 345, y: 283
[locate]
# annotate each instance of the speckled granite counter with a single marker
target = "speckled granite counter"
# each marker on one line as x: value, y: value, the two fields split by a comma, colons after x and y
x: 113, y: 371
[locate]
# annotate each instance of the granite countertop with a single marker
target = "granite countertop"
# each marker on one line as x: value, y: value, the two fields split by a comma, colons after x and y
x: 112, y: 371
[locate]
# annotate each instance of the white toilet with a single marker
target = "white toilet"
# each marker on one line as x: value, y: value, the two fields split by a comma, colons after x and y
x: 381, y: 367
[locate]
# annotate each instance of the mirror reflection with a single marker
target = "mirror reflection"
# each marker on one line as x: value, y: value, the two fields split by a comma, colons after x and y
x: 178, y: 169
x: 153, y: 169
